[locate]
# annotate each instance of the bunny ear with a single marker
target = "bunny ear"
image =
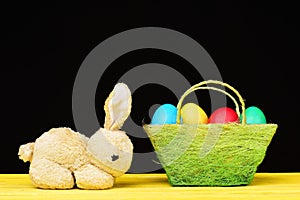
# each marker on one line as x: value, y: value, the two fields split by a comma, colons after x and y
x: 117, y: 107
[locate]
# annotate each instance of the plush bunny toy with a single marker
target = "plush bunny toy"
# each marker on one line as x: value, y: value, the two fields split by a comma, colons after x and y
x: 61, y: 158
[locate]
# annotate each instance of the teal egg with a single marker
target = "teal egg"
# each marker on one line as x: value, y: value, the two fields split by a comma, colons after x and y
x: 165, y: 114
x: 254, y: 115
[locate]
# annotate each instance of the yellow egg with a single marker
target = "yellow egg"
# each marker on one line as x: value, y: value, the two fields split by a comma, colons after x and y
x: 193, y: 114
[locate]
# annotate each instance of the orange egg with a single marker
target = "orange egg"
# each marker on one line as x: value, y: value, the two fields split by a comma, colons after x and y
x: 193, y: 114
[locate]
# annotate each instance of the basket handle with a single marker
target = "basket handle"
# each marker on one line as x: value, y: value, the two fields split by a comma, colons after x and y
x: 200, y: 86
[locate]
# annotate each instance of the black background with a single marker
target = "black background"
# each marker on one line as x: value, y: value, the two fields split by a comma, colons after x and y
x: 254, y: 45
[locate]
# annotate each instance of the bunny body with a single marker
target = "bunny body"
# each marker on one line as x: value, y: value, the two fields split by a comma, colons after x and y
x: 61, y: 157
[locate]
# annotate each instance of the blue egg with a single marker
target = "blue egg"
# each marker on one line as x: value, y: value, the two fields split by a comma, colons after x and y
x: 165, y: 114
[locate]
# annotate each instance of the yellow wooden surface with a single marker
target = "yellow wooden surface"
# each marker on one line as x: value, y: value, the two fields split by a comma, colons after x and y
x: 155, y: 186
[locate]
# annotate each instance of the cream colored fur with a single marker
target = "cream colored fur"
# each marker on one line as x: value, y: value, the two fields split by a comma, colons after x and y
x: 61, y: 157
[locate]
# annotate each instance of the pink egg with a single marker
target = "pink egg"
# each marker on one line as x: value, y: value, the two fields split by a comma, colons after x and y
x: 224, y: 115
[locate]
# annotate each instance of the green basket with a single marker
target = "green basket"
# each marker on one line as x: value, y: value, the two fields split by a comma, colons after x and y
x: 211, y: 154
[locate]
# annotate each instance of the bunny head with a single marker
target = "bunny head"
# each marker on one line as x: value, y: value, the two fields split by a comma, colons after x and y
x: 111, y: 147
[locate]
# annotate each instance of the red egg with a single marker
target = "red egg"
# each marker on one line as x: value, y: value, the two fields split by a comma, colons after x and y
x: 224, y: 115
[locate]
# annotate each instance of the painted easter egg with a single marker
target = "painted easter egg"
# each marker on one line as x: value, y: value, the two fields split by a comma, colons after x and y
x: 224, y: 115
x: 165, y: 114
x: 254, y: 115
x: 191, y: 113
